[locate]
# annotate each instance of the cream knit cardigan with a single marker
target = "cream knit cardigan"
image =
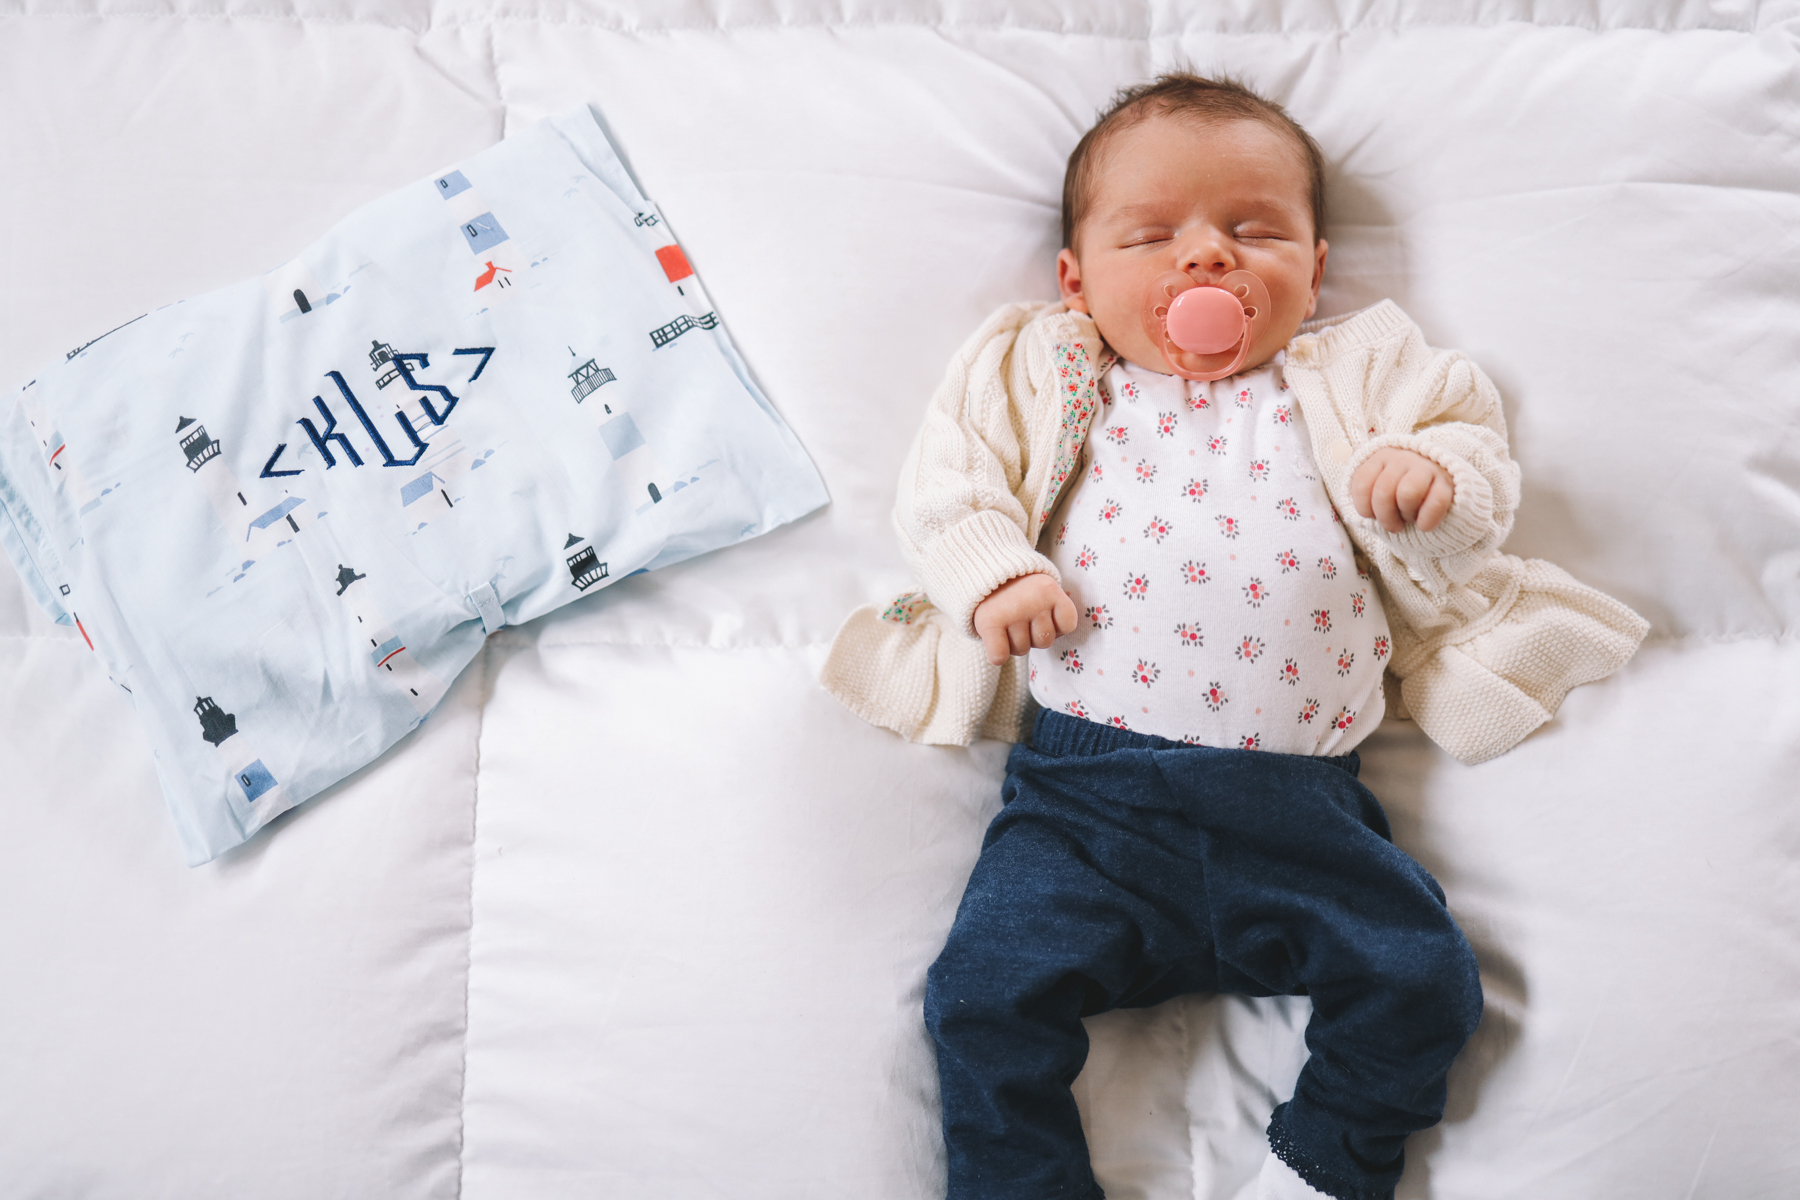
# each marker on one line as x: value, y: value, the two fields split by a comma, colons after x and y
x: 1486, y: 645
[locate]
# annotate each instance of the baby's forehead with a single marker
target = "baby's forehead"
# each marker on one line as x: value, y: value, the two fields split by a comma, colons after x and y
x: 1181, y: 135
x: 1231, y: 144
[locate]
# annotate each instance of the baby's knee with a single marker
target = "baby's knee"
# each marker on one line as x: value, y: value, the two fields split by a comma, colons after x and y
x: 959, y: 987
x: 1444, y: 981
x: 976, y: 984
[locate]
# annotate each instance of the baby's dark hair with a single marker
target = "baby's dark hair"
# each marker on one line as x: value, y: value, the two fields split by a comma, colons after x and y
x: 1198, y: 97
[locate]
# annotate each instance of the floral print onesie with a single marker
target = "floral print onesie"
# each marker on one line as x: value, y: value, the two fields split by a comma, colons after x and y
x: 1219, y: 600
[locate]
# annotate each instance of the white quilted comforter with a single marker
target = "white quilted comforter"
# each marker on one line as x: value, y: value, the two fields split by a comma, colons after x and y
x: 641, y: 912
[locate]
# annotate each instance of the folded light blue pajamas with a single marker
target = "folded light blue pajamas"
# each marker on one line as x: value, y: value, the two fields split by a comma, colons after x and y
x: 286, y: 514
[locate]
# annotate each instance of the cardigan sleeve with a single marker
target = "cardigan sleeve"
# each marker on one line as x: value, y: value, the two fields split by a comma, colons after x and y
x: 961, y: 525
x: 1450, y: 413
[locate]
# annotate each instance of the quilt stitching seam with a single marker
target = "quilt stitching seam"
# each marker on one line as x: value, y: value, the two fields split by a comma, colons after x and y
x: 673, y: 645
x: 1723, y: 639
x: 486, y: 657
x: 1149, y: 35
x: 462, y: 1101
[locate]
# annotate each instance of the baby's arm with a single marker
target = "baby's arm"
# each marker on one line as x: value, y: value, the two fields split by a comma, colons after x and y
x: 1031, y: 610
x: 962, y: 524
x: 1445, y: 412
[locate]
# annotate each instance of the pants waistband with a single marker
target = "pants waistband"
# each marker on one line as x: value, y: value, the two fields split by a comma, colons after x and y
x: 1059, y: 734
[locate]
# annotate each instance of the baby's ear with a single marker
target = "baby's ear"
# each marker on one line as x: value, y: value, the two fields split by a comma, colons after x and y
x: 1319, y: 253
x: 1068, y: 281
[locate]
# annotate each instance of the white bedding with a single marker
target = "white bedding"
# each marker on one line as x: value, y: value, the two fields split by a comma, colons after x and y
x: 641, y: 912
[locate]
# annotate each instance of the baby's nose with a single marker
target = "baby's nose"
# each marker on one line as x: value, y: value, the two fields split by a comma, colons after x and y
x: 1208, y: 255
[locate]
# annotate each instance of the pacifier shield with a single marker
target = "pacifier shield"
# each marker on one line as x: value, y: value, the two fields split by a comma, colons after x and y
x: 1205, y: 320
x: 1205, y: 330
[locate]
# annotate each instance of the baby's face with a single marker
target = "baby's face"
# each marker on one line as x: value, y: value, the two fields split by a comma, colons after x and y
x: 1175, y: 195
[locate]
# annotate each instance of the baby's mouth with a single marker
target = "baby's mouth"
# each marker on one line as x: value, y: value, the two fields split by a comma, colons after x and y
x: 1205, y: 330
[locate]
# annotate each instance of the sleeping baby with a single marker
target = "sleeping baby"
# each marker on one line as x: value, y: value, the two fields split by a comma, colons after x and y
x: 1211, y: 544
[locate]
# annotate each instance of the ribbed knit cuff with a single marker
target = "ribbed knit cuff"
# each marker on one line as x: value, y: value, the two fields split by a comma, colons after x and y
x: 973, y: 557
x: 1471, y: 515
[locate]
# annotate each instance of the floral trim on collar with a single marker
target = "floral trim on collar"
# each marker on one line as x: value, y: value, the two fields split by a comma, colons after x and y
x: 905, y: 608
x: 1079, y: 380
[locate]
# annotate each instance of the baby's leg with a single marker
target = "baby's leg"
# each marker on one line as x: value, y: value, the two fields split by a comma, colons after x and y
x: 1067, y: 914
x: 1309, y: 896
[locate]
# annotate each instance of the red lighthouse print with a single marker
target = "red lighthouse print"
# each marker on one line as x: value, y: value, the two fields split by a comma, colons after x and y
x: 488, y: 276
x: 674, y: 263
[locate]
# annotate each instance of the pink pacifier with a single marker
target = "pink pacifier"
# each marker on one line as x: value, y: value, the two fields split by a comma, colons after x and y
x: 1205, y: 330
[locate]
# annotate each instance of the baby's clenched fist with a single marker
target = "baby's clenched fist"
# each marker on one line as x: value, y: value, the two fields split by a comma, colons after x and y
x: 1397, y: 487
x: 1031, y: 610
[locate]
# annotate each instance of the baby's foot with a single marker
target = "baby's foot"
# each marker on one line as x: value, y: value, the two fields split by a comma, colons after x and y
x: 1279, y: 1181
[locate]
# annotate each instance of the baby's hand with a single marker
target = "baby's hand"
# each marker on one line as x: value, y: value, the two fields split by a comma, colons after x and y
x: 1397, y: 486
x: 1021, y: 613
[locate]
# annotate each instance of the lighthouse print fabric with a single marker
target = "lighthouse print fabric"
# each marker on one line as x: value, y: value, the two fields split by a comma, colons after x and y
x: 1218, y: 597
x: 285, y: 515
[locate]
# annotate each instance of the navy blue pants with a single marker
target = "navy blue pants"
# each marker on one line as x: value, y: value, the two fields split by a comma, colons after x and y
x: 1125, y: 869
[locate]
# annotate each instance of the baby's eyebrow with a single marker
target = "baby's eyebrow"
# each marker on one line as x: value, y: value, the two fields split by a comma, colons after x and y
x: 1256, y: 209
x: 1133, y: 212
